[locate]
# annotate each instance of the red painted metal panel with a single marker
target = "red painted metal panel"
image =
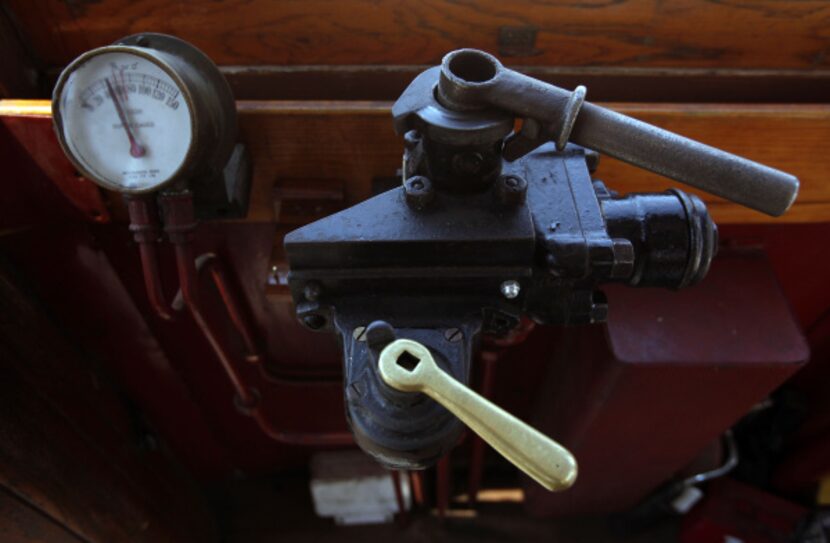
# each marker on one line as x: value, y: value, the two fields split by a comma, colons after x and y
x: 733, y: 511
x: 37, y: 136
x: 91, y: 275
x: 638, y: 400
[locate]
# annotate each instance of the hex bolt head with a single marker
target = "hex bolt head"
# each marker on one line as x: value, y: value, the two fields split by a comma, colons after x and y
x: 312, y: 291
x: 511, y: 190
x: 624, y: 259
x: 510, y: 289
x: 418, y: 191
x: 411, y: 139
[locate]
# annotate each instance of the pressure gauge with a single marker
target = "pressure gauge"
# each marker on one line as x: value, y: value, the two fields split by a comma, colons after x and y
x: 146, y: 112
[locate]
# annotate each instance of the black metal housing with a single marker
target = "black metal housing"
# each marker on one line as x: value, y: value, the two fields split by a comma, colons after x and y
x: 468, y: 245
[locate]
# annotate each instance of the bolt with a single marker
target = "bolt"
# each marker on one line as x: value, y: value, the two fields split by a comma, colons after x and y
x: 510, y: 289
x: 418, y: 191
x: 314, y: 321
x: 624, y: 257
x: 467, y: 163
x: 411, y: 139
x: 356, y: 391
x: 554, y: 225
x: 359, y: 333
x: 453, y: 335
x: 511, y: 189
x: 312, y: 291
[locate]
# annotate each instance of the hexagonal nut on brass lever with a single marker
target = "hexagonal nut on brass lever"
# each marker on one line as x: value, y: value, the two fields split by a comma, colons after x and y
x: 408, y: 366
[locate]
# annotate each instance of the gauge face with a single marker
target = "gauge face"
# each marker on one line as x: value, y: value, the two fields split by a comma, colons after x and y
x: 124, y: 121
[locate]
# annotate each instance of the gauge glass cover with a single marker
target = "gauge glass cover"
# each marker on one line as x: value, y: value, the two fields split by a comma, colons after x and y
x: 154, y: 145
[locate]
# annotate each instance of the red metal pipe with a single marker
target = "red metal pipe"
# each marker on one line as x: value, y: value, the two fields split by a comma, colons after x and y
x: 316, y: 439
x: 477, y: 447
x: 180, y: 224
x: 442, y: 487
x: 217, y: 272
x: 152, y: 280
x: 396, y: 483
x: 212, y: 263
x: 185, y: 264
x: 144, y: 227
x: 416, y: 482
x: 489, y: 355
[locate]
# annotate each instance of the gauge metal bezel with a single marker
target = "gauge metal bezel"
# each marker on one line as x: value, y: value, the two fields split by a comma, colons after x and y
x: 154, y: 56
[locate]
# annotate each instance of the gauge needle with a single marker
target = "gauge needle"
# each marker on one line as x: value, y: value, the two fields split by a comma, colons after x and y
x: 136, y: 149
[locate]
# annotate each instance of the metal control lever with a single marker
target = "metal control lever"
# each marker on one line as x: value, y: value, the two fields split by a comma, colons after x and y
x: 471, y: 80
x: 408, y: 366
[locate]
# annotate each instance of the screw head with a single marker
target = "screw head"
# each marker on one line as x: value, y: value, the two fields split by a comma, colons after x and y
x: 312, y: 291
x: 453, y: 335
x: 510, y: 289
x: 359, y: 333
x: 418, y: 191
x: 511, y: 189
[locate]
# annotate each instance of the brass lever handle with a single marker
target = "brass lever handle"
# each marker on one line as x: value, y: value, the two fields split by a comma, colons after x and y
x: 545, y: 460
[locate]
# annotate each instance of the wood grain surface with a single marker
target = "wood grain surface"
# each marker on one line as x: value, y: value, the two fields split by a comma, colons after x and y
x: 354, y: 142
x: 17, y: 69
x: 70, y: 444
x: 22, y: 523
x: 791, y: 34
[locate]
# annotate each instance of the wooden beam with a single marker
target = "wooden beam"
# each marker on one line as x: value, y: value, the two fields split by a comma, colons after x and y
x: 354, y: 142
x: 18, y: 77
x: 634, y: 33
x: 605, y: 84
x: 24, y: 523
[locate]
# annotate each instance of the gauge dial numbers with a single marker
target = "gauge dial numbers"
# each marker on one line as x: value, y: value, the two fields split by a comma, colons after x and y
x: 124, y: 118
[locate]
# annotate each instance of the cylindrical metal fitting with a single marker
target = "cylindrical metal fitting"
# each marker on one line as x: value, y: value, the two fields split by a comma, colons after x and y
x: 674, y: 238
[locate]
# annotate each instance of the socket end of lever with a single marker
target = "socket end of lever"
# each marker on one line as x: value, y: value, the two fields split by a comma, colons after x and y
x: 408, y: 366
x: 465, y: 79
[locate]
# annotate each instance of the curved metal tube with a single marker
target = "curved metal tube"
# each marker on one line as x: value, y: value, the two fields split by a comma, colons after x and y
x: 729, y: 464
x: 145, y: 231
x: 180, y: 224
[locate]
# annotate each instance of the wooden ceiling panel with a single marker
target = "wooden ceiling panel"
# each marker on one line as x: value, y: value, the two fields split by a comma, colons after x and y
x: 756, y: 34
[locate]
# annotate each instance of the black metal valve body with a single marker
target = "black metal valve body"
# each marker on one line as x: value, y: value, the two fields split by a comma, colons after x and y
x: 469, y: 244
